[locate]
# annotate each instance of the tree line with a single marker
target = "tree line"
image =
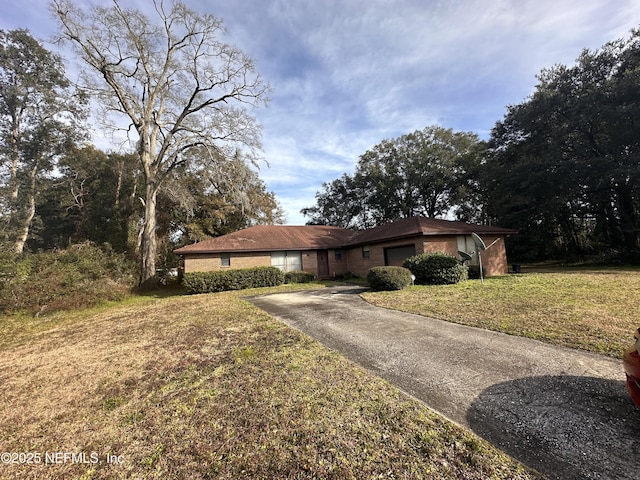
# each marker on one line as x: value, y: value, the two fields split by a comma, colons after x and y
x: 174, y: 89
x: 562, y: 167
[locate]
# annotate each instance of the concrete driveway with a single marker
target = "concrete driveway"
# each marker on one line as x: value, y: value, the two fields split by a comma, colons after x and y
x: 564, y: 412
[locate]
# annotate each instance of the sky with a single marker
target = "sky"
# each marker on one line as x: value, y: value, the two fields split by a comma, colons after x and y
x: 347, y: 74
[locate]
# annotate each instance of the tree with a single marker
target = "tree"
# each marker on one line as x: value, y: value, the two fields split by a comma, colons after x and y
x: 40, y: 118
x: 93, y: 198
x: 179, y: 86
x: 427, y: 172
x: 209, y: 202
x: 564, y: 164
x: 341, y: 203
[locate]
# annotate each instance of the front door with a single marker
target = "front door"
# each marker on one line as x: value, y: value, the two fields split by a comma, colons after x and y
x: 323, y: 264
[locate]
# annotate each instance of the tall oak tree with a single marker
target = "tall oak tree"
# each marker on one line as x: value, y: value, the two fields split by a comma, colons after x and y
x: 175, y: 81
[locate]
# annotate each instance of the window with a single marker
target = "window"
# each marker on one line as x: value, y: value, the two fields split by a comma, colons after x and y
x: 366, y: 253
x: 337, y: 255
x: 288, y: 261
x: 225, y: 259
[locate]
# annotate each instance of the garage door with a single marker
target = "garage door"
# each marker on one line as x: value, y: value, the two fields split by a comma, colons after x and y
x: 396, y: 255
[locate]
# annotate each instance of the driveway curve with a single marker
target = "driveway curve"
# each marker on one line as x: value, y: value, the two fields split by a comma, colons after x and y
x: 564, y: 412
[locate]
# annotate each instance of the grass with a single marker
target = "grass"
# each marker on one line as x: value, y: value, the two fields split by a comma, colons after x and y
x: 209, y: 386
x: 594, y: 310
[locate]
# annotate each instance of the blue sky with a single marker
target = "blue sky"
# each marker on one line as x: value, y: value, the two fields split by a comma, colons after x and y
x: 347, y: 74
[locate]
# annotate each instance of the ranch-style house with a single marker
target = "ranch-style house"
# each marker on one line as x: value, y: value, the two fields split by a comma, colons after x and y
x: 329, y: 252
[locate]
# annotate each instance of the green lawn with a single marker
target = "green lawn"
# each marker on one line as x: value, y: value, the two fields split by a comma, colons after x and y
x: 209, y: 386
x: 595, y: 310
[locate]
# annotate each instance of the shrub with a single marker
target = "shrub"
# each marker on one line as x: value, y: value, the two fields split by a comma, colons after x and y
x: 236, y: 279
x: 389, y: 278
x: 436, y: 269
x: 81, y: 276
x: 474, y: 272
x: 299, y: 276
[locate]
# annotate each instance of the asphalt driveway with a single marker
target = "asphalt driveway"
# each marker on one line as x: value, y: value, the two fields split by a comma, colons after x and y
x: 563, y: 412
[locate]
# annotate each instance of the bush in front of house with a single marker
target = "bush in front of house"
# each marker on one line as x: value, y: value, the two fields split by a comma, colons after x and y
x: 474, y: 272
x: 436, y: 269
x: 237, y: 279
x: 299, y: 276
x: 389, y: 278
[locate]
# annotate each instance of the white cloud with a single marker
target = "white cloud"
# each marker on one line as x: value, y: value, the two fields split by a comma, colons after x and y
x: 349, y: 73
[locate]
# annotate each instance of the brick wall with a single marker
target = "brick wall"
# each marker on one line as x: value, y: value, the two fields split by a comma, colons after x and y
x: 441, y: 244
x: 360, y: 266
x: 211, y: 262
x: 494, y: 260
x: 310, y: 262
x: 337, y: 268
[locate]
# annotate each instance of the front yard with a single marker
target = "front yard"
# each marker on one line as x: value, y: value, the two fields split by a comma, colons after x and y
x: 208, y: 386
x: 595, y: 310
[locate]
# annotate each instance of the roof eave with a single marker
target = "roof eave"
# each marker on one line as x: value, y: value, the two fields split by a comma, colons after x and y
x: 261, y: 249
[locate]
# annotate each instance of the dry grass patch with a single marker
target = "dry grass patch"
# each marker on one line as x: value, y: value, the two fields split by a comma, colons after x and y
x: 209, y: 386
x: 590, y: 310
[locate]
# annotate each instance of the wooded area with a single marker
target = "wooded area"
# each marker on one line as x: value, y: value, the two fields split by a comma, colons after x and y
x: 563, y: 167
x: 178, y: 93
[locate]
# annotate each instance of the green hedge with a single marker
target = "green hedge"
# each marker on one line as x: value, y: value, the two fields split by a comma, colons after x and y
x: 299, y: 276
x: 237, y: 279
x: 436, y: 269
x: 389, y: 278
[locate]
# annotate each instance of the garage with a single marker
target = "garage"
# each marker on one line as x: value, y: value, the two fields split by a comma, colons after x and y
x: 396, y: 255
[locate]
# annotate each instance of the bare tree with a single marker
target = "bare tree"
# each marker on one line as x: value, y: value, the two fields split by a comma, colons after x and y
x: 178, y: 85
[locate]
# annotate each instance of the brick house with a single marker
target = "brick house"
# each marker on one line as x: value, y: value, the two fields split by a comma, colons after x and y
x: 331, y: 251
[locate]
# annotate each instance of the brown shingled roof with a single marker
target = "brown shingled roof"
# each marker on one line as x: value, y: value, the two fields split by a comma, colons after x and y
x: 273, y: 237
x: 264, y: 238
x: 413, y: 226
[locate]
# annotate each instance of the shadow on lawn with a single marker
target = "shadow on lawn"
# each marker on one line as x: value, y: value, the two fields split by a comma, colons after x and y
x: 563, y: 426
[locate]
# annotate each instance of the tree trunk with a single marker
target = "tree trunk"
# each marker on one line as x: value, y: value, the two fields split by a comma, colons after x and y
x: 14, y: 186
x: 149, y: 241
x: 119, y: 174
x: 15, y: 160
x: 24, y: 223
